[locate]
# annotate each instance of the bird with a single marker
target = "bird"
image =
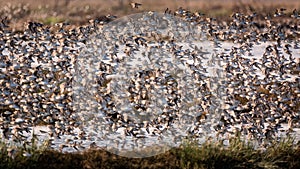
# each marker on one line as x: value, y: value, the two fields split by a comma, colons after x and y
x: 295, y: 14
x: 33, y: 26
x: 279, y: 12
x: 4, y: 24
x: 135, y: 5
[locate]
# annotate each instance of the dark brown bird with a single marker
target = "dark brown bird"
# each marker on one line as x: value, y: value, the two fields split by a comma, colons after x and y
x: 4, y: 23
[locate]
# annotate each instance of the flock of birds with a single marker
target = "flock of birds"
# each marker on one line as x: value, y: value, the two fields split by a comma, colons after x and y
x: 259, y: 93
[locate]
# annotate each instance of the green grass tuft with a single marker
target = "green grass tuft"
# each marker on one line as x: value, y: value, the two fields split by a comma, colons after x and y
x: 52, y: 20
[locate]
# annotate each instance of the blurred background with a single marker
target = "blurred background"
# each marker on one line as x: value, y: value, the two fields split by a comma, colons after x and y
x: 78, y: 12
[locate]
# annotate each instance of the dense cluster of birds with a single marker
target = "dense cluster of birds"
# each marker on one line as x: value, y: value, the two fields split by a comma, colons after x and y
x: 259, y: 93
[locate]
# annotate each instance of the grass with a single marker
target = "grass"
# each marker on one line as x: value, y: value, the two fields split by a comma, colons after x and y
x: 211, y: 154
x: 52, y: 20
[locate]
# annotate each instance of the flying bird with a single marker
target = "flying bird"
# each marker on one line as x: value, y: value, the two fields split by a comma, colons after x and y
x: 135, y: 5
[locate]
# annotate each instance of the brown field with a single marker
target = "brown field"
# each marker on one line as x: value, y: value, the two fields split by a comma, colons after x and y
x: 80, y: 12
